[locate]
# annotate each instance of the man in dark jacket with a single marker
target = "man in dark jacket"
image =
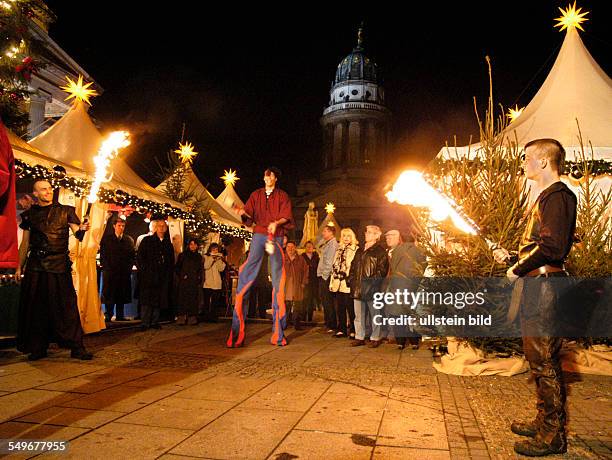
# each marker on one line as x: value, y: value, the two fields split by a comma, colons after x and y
x: 117, y: 257
x: 544, y: 246
x: 48, y: 308
x: 368, y: 271
x: 406, y: 265
x: 155, y: 261
x: 311, y: 291
x: 190, y: 270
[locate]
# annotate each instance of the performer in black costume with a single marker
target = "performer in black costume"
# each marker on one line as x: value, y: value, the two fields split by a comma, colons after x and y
x: 48, y: 310
x: 545, y: 244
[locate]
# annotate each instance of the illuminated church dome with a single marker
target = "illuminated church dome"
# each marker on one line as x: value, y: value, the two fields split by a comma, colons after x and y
x: 357, y: 66
x: 356, y: 120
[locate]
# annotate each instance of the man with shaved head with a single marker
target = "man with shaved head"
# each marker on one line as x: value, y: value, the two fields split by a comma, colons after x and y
x: 544, y: 246
x: 48, y: 305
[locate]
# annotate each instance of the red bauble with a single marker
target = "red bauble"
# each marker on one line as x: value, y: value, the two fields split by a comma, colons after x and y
x: 27, y: 60
x: 19, y: 68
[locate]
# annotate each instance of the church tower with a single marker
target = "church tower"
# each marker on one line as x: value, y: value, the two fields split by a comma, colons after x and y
x: 356, y: 122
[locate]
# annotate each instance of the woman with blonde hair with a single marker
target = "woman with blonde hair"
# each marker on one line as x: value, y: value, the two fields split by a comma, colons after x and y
x: 338, y: 283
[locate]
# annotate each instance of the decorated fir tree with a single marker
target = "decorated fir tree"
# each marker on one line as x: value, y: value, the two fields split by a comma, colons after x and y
x: 19, y: 59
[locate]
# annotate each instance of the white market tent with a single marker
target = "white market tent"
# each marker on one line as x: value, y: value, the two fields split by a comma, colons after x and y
x: 201, y: 195
x: 228, y: 198
x: 74, y: 140
x: 329, y: 219
x: 575, y: 89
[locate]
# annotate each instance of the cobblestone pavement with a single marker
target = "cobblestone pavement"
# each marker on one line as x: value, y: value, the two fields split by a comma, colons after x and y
x: 179, y: 393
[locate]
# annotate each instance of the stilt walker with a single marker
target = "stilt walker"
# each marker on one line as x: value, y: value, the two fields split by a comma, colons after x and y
x: 269, y: 210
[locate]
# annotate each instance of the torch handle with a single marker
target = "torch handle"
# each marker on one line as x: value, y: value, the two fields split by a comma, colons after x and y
x: 87, y: 213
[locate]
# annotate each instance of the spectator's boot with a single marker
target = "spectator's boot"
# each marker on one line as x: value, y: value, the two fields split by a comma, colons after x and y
x: 81, y: 353
x: 193, y: 320
x: 181, y: 320
x: 35, y: 356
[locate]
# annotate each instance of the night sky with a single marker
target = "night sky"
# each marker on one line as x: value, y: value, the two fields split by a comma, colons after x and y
x: 251, y: 82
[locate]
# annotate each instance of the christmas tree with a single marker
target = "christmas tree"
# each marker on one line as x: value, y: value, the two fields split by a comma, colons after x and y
x: 174, y: 186
x: 19, y: 51
x: 489, y: 189
x: 591, y: 256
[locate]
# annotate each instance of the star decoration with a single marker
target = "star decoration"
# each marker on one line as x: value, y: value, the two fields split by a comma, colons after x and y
x: 186, y: 152
x: 571, y: 17
x: 230, y: 177
x: 514, y: 113
x: 330, y: 208
x: 78, y: 90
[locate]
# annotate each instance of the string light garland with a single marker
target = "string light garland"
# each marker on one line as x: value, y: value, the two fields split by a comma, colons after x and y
x: 571, y: 168
x: 57, y: 177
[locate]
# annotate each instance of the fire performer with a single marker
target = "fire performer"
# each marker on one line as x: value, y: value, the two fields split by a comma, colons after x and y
x: 269, y: 209
x: 544, y: 246
x: 48, y: 308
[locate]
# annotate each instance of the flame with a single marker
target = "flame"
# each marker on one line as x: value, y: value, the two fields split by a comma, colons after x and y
x: 330, y: 208
x: 411, y: 188
x: 108, y: 151
x: 571, y: 17
x: 78, y: 90
x: 230, y: 177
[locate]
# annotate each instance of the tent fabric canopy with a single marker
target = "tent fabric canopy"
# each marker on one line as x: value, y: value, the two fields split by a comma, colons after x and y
x: 576, y: 88
x: 73, y: 142
x: 228, y: 198
x: 202, y: 196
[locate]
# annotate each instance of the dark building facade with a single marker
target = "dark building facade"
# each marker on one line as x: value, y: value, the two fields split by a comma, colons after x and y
x: 354, y: 158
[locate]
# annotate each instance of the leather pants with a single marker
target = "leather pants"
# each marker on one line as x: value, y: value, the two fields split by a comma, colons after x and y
x: 542, y: 348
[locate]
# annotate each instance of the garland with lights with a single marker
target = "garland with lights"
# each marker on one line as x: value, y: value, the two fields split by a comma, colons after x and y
x: 572, y: 169
x: 57, y: 177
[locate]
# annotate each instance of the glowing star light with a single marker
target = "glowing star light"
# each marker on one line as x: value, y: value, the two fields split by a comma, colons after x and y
x: 108, y: 151
x: 78, y: 90
x: 186, y: 152
x: 230, y: 177
x: 514, y: 113
x: 330, y: 208
x: 571, y: 17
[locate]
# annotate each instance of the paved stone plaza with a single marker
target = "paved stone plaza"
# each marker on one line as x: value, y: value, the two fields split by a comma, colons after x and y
x: 179, y: 393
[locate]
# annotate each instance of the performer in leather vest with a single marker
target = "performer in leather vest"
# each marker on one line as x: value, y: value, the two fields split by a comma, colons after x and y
x: 48, y: 310
x: 545, y: 244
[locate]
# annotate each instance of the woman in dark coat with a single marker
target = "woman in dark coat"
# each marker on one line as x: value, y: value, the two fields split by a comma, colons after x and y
x: 189, y: 270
